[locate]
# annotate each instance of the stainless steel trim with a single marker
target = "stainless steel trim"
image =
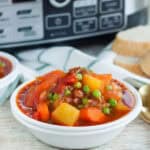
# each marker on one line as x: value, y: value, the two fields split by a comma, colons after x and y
x: 133, y: 6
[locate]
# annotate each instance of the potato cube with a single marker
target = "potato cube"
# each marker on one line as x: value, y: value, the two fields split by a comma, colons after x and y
x: 65, y: 114
x: 93, y: 82
x: 121, y: 107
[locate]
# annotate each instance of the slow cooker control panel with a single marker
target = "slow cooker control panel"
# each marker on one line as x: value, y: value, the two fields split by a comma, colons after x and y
x: 21, y: 21
x: 46, y: 21
x: 69, y: 19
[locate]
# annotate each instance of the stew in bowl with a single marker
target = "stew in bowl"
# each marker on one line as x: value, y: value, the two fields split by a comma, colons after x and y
x: 79, y: 97
x: 5, y: 67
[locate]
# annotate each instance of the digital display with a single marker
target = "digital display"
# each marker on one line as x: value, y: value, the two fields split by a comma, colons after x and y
x: 20, y: 1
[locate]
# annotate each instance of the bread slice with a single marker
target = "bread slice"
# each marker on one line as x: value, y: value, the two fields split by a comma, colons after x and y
x: 133, y: 42
x: 132, y: 68
x: 129, y: 63
x: 145, y: 64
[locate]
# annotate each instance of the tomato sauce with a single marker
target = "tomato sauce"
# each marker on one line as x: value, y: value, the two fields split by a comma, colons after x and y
x: 5, y: 67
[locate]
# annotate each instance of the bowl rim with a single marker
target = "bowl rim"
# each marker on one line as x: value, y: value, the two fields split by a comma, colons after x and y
x: 123, y: 120
x: 10, y: 77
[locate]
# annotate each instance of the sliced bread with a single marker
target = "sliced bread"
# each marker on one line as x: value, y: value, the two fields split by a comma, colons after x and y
x: 134, y: 68
x: 145, y: 64
x: 133, y: 42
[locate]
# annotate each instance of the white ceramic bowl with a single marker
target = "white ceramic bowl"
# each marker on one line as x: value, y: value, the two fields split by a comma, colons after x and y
x: 9, y: 82
x: 75, y: 137
x: 19, y: 73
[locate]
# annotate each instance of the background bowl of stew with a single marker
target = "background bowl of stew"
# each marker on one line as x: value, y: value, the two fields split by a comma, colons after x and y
x: 9, y: 75
x: 75, y: 137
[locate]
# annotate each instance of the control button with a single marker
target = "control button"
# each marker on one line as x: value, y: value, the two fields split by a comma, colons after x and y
x: 25, y: 29
x: 85, y: 25
x: 59, y: 3
x: 6, y: 35
x: 58, y: 21
x: 32, y: 31
x: 1, y: 31
x: 85, y: 8
x: 110, y: 6
x: 1, y: 14
x: 111, y: 21
x: 24, y: 12
x: 5, y: 16
x: 85, y: 11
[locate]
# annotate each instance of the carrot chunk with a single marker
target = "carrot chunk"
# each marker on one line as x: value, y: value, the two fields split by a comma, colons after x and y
x: 113, y: 94
x: 92, y: 114
x: 50, y: 75
x: 29, y: 98
x: 43, y: 111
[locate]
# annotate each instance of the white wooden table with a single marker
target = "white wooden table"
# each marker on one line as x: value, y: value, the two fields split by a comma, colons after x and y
x: 13, y: 136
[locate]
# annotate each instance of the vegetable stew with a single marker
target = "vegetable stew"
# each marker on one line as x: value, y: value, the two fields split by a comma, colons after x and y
x: 5, y: 67
x: 79, y: 97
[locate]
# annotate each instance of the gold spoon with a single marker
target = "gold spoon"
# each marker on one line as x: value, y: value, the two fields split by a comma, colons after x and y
x: 144, y: 91
x: 145, y: 94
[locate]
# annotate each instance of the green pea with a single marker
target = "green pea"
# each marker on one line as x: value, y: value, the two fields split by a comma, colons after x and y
x: 67, y: 92
x: 86, y: 89
x: 112, y: 102
x: 106, y: 110
x: 53, y: 97
x: 109, y: 87
x: 2, y: 64
x: 78, y: 85
x: 97, y: 94
x: 50, y: 96
x: 79, y: 76
x: 84, y: 101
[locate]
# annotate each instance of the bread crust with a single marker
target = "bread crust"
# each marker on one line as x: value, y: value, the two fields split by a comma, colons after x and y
x: 134, y: 68
x: 130, y: 48
x: 145, y: 64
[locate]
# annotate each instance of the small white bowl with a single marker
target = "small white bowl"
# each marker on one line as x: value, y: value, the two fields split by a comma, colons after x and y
x: 75, y: 137
x: 19, y: 73
x: 9, y: 82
